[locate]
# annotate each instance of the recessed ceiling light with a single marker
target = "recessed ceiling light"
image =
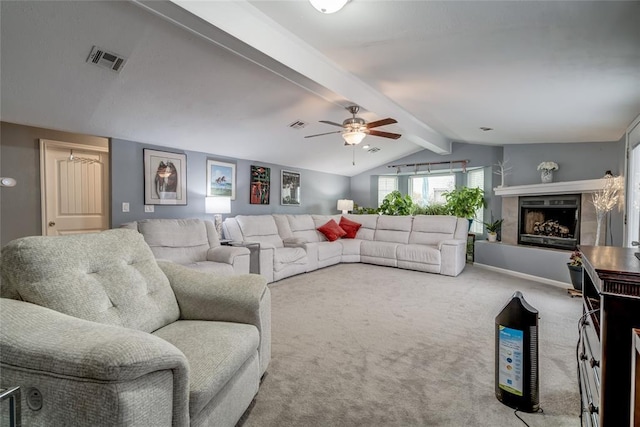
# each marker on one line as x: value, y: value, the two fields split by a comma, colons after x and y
x: 486, y: 129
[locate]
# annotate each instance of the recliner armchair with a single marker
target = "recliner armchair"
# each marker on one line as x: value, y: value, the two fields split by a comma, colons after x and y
x: 109, y: 336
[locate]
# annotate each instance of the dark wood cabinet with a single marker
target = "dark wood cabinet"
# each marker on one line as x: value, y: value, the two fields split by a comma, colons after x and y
x: 611, y: 298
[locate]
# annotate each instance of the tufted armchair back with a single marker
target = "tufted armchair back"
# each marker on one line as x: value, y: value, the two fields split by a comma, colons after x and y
x: 110, y: 277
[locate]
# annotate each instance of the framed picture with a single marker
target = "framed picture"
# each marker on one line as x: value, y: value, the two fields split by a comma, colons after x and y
x: 221, y: 179
x: 260, y: 185
x: 290, y: 188
x: 165, y: 178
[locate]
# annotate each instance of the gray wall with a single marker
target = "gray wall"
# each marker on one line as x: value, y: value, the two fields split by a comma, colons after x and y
x: 319, y: 191
x: 20, y: 211
x: 576, y: 161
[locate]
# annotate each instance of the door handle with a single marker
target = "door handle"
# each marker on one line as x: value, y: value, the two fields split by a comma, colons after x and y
x: 52, y: 224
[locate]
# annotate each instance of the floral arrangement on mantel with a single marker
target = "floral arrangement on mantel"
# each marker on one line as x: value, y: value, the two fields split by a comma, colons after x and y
x: 548, y: 166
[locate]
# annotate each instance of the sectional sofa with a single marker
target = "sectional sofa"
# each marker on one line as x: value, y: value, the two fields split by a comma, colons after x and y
x: 293, y: 244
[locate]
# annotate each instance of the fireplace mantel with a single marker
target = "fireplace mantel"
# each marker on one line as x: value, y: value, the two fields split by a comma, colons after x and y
x: 567, y: 187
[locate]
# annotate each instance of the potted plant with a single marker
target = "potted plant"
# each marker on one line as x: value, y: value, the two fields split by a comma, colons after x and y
x: 492, y: 229
x: 575, y: 269
x: 396, y: 204
x: 463, y: 202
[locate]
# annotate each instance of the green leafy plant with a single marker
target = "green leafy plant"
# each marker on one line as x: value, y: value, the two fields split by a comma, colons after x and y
x: 361, y: 210
x: 493, y: 227
x: 464, y: 201
x: 396, y: 204
x: 431, y: 209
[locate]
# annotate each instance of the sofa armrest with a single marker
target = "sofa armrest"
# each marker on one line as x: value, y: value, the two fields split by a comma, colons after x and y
x: 452, y: 242
x: 47, y: 346
x: 242, y: 299
x: 294, y: 242
x: 453, y: 255
x: 204, y: 296
x: 226, y: 254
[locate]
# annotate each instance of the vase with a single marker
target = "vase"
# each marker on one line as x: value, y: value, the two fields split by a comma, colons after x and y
x: 546, y: 176
x: 575, y: 273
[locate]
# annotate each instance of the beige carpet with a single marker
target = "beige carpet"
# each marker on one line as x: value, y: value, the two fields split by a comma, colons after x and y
x: 362, y: 345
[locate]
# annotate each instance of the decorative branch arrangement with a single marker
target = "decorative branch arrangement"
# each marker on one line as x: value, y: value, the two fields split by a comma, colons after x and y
x: 606, y: 199
x: 503, y: 171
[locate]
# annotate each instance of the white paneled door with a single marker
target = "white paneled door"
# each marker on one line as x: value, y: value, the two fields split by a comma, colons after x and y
x: 75, y: 188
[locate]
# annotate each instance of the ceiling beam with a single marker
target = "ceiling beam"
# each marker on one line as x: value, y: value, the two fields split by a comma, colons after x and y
x: 261, y: 40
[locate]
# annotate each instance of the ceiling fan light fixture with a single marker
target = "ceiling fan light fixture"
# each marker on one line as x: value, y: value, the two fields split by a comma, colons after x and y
x: 353, y: 137
x: 328, y: 6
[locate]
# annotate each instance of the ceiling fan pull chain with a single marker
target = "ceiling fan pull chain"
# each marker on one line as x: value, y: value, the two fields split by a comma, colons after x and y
x: 353, y: 161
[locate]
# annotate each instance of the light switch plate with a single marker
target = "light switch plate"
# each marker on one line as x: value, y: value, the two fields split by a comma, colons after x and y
x: 125, y: 206
x: 148, y: 208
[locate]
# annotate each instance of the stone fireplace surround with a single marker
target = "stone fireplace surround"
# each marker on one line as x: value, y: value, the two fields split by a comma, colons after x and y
x: 510, y: 207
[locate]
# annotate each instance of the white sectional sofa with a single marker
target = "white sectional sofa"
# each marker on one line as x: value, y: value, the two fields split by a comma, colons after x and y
x: 292, y: 244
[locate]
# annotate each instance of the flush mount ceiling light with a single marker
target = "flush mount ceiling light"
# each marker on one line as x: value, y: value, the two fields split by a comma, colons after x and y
x: 328, y: 6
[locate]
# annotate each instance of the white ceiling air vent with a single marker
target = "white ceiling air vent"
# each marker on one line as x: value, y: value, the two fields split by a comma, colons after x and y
x: 298, y: 124
x: 373, y: 150
x: 105, y: 59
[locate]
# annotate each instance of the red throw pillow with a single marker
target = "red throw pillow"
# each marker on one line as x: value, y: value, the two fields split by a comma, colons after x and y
x: 332, y: 230
x: 350, y: 227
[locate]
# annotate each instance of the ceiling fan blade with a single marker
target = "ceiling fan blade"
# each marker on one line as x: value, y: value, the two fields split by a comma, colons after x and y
x: 330, y: 123
x: 384, y: 134
x: 387, y: 121
x: 320, y: 134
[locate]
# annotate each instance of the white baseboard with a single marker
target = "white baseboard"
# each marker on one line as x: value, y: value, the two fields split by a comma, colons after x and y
x: 557, y: 283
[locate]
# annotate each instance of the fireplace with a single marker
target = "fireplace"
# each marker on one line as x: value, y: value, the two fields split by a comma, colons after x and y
x: 549, y: 221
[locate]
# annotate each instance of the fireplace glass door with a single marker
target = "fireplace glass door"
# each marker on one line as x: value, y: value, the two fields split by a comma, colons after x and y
x: 550, y: 221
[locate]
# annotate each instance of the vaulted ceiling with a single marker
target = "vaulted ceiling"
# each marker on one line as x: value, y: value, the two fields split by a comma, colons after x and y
x: 229, y: 77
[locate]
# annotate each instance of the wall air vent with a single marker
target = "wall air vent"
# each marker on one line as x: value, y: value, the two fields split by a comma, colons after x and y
x: 105, y: 59
x: 373, y: 150
x: 298, y: 124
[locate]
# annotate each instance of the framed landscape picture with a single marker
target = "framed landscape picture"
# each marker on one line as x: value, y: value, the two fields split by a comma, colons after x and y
x: 165, y: 178
x: 290, y: 188
x: 221, y: 179
x: 260, y: 185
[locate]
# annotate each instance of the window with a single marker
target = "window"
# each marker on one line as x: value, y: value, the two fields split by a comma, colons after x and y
x: 475, y: 178
x: 428, y: 189
x: 386, y: 184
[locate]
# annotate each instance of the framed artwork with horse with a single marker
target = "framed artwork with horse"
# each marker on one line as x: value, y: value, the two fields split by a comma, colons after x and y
x: 221, y: 179
x: 165, y: 178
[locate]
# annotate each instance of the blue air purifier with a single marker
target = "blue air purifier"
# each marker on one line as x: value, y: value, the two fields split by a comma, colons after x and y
x: 517, y: 381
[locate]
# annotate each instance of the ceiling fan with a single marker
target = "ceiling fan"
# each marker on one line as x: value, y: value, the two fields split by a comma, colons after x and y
x: 355, y: 128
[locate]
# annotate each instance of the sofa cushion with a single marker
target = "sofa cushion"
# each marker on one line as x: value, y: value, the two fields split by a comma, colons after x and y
x: 259, y: 228
x: 332, y: 230
x: 215, y: 351
x: 432, y: 229
x: 350, y: 227
x: 304, y: 227
x: 328, y: 250
x: 110, y: 277
x: 283, y: 257
x: 180, y: 240
x: 369, y: 222
x: 393, y: 229
x: 419, y: 254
